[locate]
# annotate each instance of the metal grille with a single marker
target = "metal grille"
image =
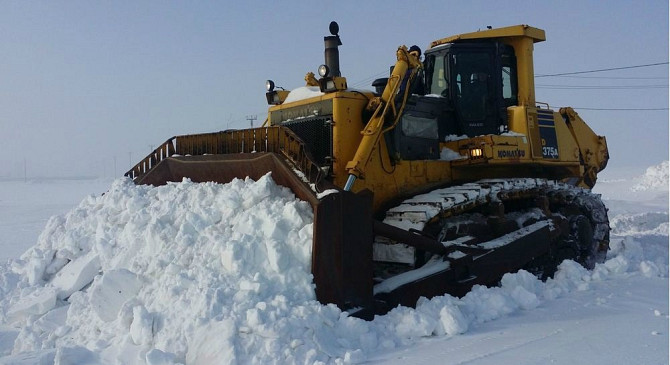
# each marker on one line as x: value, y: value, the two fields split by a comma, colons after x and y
x: 317, y: 134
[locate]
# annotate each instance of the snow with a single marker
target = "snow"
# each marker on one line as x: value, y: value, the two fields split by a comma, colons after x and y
x: 111, y: 290
x: 656, y: 177
x: 448, y: 154
x: 394, y: 282
x: 303, y: 92
x: 454, y: 137
x: 510, y: 237
x: 219, y: 274
x: 513, y: 134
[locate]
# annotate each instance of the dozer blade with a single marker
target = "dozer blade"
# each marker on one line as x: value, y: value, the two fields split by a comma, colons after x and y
x: 225, y: 168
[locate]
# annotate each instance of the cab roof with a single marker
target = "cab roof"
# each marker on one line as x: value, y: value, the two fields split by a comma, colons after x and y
x: 522, y: 30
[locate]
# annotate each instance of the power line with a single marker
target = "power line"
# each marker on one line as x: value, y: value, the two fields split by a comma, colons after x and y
x: 601, y: 87
x: 604, y: 69
x: 615, y: 77
x: 369, y: 79
x: 564, y: 74
x: 621, y: 109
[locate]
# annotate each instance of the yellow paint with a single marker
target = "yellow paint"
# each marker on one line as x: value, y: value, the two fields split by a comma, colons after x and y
x: 360, y: 149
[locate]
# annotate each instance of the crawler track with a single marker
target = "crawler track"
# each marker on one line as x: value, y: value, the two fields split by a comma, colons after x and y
x: 471, y: 218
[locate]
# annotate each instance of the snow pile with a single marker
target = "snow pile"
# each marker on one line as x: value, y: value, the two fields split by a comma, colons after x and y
x: 655, y: 178
x: 142, y: 269
x: 650, y: 223
x: 217, y: 274
x: 649, y: 257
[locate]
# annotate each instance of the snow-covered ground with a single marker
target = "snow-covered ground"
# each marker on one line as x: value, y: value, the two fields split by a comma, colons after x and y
x: 216, y: 274
x: 26, y: 206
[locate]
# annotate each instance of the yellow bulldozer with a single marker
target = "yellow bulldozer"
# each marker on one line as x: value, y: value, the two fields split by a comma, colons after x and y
x: 446, y: 175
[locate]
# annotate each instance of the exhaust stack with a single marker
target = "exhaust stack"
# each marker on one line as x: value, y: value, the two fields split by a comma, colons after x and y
x: 332, y: 53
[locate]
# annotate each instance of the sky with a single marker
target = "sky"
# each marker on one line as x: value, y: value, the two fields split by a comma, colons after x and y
x: 89, y: 88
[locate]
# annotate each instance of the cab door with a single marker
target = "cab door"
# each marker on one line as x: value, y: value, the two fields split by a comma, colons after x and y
x: 475, y: 92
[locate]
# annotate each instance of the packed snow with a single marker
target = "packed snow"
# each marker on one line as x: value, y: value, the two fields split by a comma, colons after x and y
x: 192, y: 273
x: 303, y: 92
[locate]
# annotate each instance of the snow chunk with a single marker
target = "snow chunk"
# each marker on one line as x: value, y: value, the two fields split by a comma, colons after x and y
x: 76, y: 275
x: 76, y: 355
x: 141, y: 329
x: 158, y: 357
x: 37, y: 357
x: 7, y: 338
x: 453, y: 321
x: 111, y: 291
x: 523, y: 287
x: 39, y: 301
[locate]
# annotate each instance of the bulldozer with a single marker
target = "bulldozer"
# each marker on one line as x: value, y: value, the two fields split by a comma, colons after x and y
x: 447, y: 175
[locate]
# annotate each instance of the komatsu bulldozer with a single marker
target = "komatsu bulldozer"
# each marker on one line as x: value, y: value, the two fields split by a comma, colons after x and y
x: 448, y: 174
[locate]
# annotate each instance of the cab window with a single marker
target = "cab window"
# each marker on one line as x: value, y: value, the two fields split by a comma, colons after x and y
x: 509, y: 82
x: 438, y: 78
x: 473, y: 78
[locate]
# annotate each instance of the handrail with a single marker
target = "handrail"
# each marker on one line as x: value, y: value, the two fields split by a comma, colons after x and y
x: 275, y: 139
x: 163, y: 151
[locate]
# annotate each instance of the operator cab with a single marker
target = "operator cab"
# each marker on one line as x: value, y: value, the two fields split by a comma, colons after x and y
x: 479, y: 82
x: 467, y: 88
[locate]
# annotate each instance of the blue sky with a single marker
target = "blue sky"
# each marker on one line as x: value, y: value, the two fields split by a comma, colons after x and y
x: 85, y: 83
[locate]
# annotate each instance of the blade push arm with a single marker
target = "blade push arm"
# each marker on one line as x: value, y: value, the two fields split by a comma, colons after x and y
x: 385, y: 109
x: 593, y: 150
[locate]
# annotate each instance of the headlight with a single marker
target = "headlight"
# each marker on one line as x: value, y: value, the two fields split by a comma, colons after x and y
x: 476, y: 152
x: 323, y: 70
x: 269, y: 85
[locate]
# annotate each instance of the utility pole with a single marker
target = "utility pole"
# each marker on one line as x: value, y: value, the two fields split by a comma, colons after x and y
x: 25, y: 171
x: 251, y: 119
